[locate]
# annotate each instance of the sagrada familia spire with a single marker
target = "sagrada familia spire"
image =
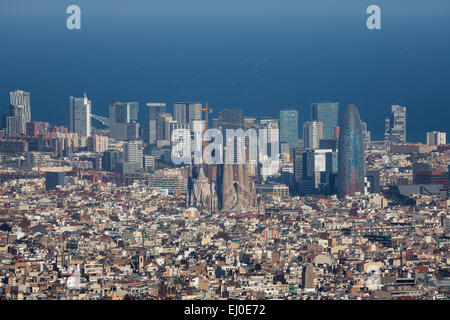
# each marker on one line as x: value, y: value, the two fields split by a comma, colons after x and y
x: 224, y: 187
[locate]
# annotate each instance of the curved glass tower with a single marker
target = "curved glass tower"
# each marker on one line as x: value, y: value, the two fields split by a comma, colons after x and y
x: 351, y: 153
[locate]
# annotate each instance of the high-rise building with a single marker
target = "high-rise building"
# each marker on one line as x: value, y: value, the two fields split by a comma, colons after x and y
x: 395, y: 126
x: 216, y: 123
x: 149, y: 163
x: 14, y: 121
x: 151, y: 125
x: 373, y: 181
x: 366, y: 134
x: 289, y: 127
x: 111, y: 160
x: 165, y: 121
x: 232, y: 119
x: 436, y: 138
x: 185, y: 142
x: 22, y: 98
x: 351, y: 158
x: 269, y: 124
x: 53, y: 179
x: 312, y: 134
x: 299, y: 166
x: 123, y: 118
x: 186, y: 112
x: 80, y: 116
x: 304, y: 170
x: 327, y: 113
x: 134, y: 152
x: 123, y: 112
x: 328, y: 144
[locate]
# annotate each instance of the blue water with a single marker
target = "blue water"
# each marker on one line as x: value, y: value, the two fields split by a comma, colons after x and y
x: 259, y: 63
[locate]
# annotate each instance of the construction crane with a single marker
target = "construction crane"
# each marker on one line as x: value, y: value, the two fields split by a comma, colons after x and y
x: 207, y: 111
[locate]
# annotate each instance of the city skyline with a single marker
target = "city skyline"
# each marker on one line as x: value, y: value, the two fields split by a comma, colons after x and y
x: 394, y: 127
x: 233, y: 156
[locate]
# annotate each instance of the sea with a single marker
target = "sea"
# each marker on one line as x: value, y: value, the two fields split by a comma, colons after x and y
x: 260, y: 63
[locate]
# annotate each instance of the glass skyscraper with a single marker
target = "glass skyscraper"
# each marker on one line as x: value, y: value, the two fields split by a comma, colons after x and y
x: 289, y: 127
x: 312, y: 134
x: 186, y: 112
x: 327, y: 113
x: 80, y: 116
x: 123, y: 112
x: 232, y: 119
x: 151, y: 125
x: 124, y: 120
x: 351, y: 153
x: 21, y: 98
x: 395, y: 126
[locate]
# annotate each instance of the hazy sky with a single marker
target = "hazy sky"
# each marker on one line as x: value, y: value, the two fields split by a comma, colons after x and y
x: 224, y: 6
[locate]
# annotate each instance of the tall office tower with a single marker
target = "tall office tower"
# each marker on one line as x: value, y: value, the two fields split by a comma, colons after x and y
x: 164, y: 123
x: 310, y: 178
x: 395, y: 126
x: 111, y: 160
x: 436, y: 138
x: 323, y: 168
x: 289, y: 127
x: 312, y: 134
x: 299, y: 161
x: 304, y: 170
x: 14, y: 120
x: 327, y: 113
x: 123, y: 118
x: 331, y: 173
x: 269, y: 124
x: 232, y: 119
x: 184, y: 135
x: 287, y: 174
x: 194, y: 113
x: 216, y: 123
x: 185, y: 112
x: 151, y: 125
x: 366, y: 134
x: 123, y: 112
x: 134, y: 152
x: 251, y: 144
x: 373, y: 181
x: 351, y: 154
x: 22, y: 98
x: 80, y: 116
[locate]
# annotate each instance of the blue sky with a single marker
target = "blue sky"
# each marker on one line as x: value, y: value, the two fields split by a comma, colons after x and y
x: 322, y: 7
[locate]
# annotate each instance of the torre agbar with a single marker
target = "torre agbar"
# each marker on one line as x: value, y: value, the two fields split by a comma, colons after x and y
x: 351, y: 153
